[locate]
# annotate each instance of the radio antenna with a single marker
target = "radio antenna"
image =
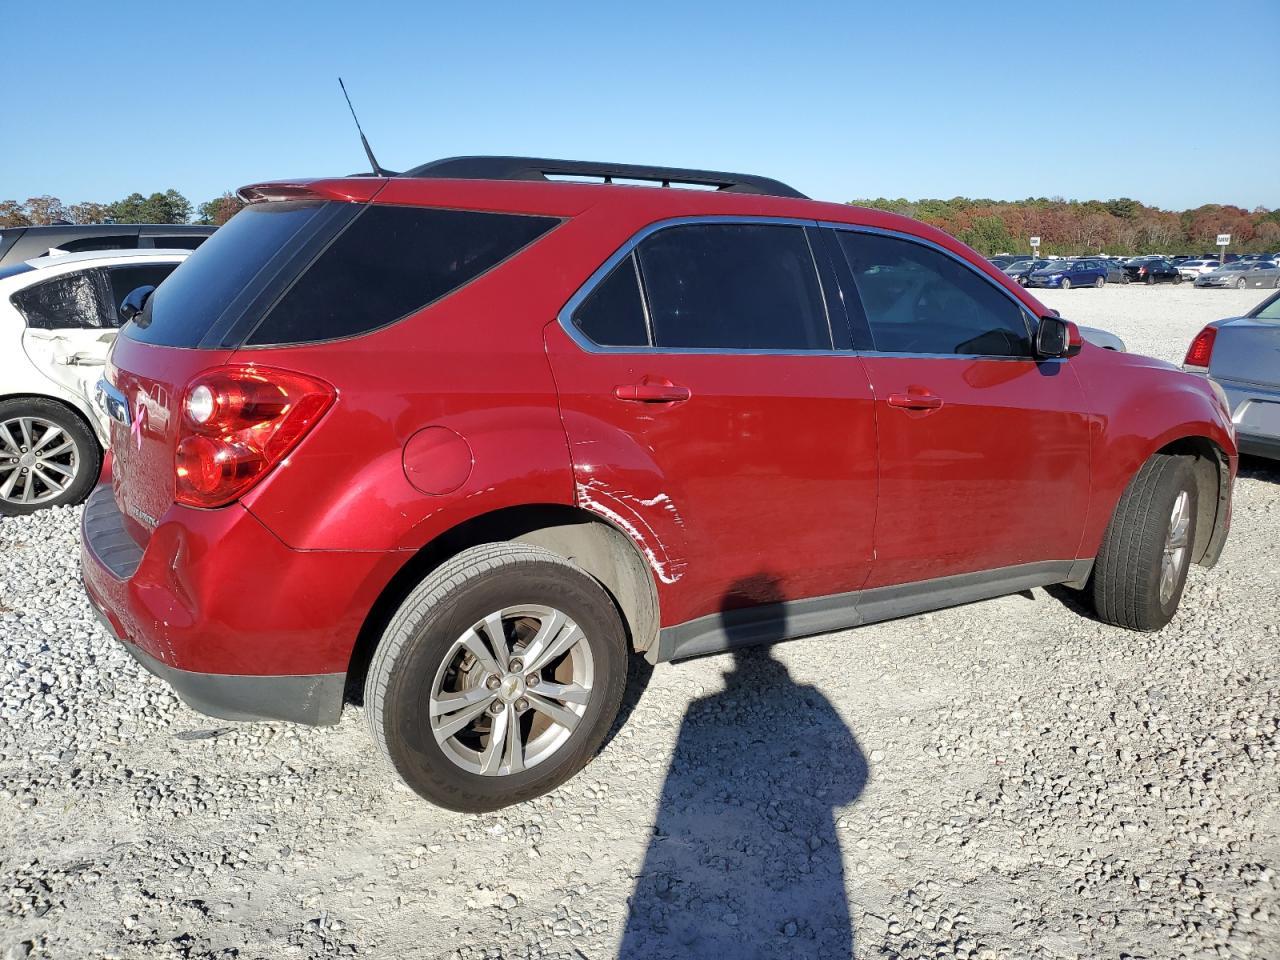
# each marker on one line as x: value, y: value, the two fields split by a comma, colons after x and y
x: 368, y: 151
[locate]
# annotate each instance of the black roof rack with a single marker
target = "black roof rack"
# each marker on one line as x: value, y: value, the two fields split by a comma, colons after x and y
x: 541, y: 168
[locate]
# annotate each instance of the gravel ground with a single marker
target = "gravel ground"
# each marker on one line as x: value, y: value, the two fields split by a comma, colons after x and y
x: 1010, y: 779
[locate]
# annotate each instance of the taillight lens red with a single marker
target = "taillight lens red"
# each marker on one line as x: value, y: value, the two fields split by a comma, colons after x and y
x: 1201, y: 349
x: 239, y: 422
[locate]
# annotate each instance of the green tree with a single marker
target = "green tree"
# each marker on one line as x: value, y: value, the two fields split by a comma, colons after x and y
x: 167, y: 207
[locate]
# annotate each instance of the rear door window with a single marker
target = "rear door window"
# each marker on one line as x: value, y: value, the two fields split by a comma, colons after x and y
x: 921, y: 300
x: 733, y: 286
x: 390, y: 262
x: 72, y: 301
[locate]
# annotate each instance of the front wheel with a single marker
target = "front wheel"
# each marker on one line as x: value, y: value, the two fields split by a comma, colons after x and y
x: 1066, y: 284
x: 1241, y: 283
x: 48, y: 456
x: 1141, y: 568
x: 498, y: 677
x: 1151, y: 278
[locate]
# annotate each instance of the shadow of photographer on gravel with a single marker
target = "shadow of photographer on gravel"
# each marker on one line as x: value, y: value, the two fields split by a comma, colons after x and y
x: 744, y: 860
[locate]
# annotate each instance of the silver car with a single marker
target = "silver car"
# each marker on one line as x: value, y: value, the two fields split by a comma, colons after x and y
x: 1241, y: 274
x: 1242, y: 356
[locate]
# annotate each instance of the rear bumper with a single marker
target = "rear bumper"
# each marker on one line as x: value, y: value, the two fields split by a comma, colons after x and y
x: 241, y: 626
x: 311, y: 699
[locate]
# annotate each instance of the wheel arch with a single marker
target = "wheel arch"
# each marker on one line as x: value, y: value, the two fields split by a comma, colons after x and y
x: 1212, y: 471
x: 605, y: 552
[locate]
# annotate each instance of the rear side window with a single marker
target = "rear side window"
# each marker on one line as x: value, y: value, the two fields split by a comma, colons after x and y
x: 73, y: 301
x: 613, y: 313
x: 733, y: 286
x: 125, y: 279
x: 186, y: 241
x: 390, y: 262
x: 919, y: 300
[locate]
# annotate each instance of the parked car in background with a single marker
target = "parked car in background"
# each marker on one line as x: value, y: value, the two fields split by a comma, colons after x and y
x: 1113, y: 269
x: 18, y: 244
x: 1019, y: 270
x: 1152, y: 270
x: 307, y: 409
x: 1103, y: 338
x: 58, y: 318
x: 1069, y: 273
x: 1242, y: 274
x: 1190, y: 269
x: 1004, y: 259
x: 1239, y: 355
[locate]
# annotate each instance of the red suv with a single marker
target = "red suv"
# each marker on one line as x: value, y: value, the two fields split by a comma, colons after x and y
x: 458, y: 441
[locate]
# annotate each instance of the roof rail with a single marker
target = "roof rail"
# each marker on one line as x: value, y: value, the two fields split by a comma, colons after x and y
x: 541, y: 168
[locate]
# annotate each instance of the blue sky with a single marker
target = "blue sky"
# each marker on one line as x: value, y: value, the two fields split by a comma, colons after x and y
x: 842, y: 100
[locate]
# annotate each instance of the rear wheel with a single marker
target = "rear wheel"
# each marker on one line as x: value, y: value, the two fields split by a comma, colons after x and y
x: 1100, y: 282
x: 1141, y: 568
x: 498, y: 677
x: 1177, y: 278
x: 48, y: 456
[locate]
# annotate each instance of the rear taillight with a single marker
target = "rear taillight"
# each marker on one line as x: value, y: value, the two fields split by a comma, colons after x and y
x: 238, y: 422
x: 1201, y: 349
x: 1141, y: 271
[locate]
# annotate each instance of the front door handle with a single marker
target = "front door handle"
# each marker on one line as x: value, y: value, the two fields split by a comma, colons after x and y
x: 915, y: 401
x: 652, y: 391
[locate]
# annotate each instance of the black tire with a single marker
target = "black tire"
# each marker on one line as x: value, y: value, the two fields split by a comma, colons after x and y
x: 1177, y: 279
x: 1066, y: 283
x: 1124, y: 278
x: 453, y: 598
x: 87, y: 452
x: 1151, y: 278
x: 1241, y: 283
x: 1100, y: 282
x: 1126, y: 574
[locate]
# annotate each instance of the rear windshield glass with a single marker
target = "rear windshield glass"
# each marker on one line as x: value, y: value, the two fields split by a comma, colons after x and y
x: 390, y: 262
x: 184, y: 309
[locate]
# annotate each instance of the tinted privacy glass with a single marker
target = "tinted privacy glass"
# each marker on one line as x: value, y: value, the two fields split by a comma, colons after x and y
x: 124, y: 279
x: 67, y: 302
x: 225, y: 266
x: 613, y: 314
x: 733, y: 286
x: 390, y: 262
x: 184, y: 242
x: 99, y: 243
x: 918, y: 300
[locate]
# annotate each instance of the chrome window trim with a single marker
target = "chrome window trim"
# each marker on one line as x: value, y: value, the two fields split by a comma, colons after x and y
x: 565, y: 316
x: 1028, y: 319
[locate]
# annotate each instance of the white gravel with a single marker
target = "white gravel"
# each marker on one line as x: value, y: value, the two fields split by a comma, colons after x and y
x: 1010, y: 779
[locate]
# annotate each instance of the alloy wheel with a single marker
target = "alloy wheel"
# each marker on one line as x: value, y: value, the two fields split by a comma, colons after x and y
x: 511, y: 690
x: 1175, y: 545
x: 38, y: 460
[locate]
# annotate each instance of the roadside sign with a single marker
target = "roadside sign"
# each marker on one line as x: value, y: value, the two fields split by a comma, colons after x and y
x: 1035, y: 243
x: 1224, y: 239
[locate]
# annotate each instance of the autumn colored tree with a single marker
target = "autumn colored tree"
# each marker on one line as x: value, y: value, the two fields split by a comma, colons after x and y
x: 219, y: 210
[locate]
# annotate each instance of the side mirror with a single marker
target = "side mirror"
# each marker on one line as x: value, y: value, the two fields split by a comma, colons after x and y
x: 133, y: 303
x: 1056, y: 337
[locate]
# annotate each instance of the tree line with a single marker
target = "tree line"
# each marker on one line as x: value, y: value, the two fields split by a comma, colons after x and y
x: 1074, y: 227
x: 1065, y: 227
x: 167, y: 207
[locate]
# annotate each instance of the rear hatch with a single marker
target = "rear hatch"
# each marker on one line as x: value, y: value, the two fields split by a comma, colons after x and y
x: 194, y: 321
x: 1247, y: 351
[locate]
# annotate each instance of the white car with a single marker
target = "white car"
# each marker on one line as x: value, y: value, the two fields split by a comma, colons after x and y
x: 1190, y: 269
x: 58, y: 317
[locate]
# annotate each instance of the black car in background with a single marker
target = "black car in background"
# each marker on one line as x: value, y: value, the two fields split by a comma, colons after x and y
x: 1152, y: 270
x: 25, y: 243
x: 1023, y: 267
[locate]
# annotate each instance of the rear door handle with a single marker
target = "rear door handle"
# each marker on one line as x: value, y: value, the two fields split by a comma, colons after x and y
x: 652, y: 391
x: 914, y: 401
